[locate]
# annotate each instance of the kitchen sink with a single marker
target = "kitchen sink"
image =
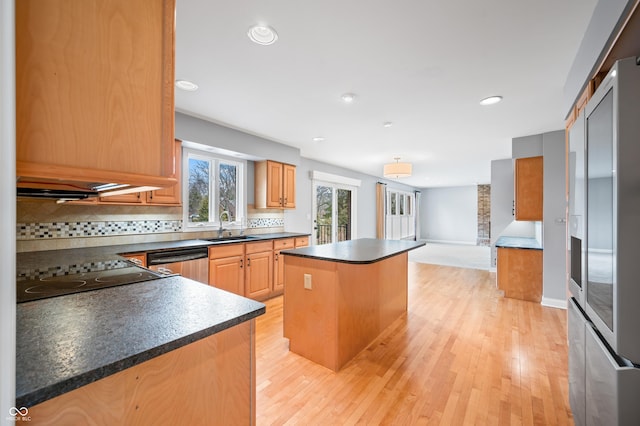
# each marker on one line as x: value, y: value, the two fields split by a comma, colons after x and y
x: 231, y: 238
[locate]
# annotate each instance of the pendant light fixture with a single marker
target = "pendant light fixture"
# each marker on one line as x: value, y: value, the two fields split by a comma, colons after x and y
x: 397, y: 170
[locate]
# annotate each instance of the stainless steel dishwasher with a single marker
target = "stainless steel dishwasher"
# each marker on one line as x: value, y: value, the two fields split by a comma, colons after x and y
x: 191, y: 263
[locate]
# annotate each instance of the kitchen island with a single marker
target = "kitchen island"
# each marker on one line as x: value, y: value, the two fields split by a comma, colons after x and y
x: 339, y: 297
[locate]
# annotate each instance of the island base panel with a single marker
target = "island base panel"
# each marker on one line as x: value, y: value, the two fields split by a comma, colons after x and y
x: 348, y: 306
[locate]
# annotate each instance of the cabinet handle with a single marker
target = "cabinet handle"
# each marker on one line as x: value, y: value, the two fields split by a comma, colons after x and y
x: 241, y: 263
x: 248, y: 262
x: 277, y: 257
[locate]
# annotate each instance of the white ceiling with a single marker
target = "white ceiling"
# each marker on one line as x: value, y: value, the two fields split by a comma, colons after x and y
x: 422, y: 64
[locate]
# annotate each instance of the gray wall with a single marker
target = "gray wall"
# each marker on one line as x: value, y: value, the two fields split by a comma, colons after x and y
x: 194, y: 129
x: 554, y: 211
x: 449, y: 214
x: 605, y: 23
x: 527, y: 146
x: 299, y: 219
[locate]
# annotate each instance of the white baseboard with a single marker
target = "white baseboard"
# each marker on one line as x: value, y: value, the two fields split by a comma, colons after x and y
x: 467, y: 243
x: 554, y: 303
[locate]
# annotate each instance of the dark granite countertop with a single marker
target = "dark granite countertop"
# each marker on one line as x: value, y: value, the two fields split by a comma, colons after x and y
x: 70, y: 341
x: 518, y: 242
x: 364, y: 250
x: 39, y: 264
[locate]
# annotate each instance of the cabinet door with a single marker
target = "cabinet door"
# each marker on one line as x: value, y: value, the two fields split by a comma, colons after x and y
x: 529, y: 188
x: 289, y: 186
x: 302, y: 241
x: 258, y: 275
x: 95, y: 90
x: 227, y: 274
x: 274, y: 184
x: 519, y: 273
x: 278, y: 263
x: 172, y: 194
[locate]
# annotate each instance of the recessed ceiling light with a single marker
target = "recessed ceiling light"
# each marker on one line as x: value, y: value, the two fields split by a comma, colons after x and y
x: 491, y: 100
x: 387, y: 124
x: 348, y: 97
x: 318, y: 139
x: 262, y: 34
x: 186, y: 85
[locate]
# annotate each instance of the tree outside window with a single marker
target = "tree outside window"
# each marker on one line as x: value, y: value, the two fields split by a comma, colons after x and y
x: 214, y: 190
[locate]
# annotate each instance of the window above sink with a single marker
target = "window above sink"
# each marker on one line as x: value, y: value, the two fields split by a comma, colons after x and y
x: 214, y: 191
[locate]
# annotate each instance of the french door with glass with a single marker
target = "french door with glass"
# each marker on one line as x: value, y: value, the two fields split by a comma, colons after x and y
x: 333, y: 212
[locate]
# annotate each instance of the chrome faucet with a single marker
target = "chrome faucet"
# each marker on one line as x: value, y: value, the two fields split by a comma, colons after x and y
x: 221, y: 229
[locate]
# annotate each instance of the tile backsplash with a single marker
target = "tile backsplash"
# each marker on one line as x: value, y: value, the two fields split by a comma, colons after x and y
x: 49, y: 226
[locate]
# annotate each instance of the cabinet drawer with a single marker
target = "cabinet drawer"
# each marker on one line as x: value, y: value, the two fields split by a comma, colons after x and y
x: 302, y: 241
x: 284, y: 243
x: 259, y: 247
x: 226, y: 250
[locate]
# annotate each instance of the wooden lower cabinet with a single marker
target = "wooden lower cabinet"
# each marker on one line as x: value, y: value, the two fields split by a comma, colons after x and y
x: 254, y: 270
x: 258, y: 274
x: 278, y: 263
x: 226, y: 267
x: 519, y: 273
x: 302, y: 242
x: 140, y: 259
x: 210, y: 381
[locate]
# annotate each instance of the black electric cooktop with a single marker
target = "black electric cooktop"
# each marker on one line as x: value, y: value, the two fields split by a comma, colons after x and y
x: 43, y: 288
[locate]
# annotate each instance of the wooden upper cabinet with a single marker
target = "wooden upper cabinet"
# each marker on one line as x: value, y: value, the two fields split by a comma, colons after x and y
x: 275, y: 185
x: 275, y: 182
x: 171, y: 195
x: 95, y: 91
x: 289, y: 186
x: 529, y: 188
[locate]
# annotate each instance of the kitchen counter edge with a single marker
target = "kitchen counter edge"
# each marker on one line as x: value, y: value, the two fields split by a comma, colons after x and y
x: 212, y: 311
x: 360, y: 251
x: 527, y: 243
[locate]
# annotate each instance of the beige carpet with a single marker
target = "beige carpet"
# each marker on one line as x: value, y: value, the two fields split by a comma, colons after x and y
x: 460, y: 255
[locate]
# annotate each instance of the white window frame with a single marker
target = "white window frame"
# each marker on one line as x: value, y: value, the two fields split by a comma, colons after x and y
x: 336, y: 182
x: 215, y: 158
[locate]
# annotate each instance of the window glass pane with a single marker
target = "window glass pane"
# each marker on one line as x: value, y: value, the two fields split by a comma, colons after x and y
x: 199, y: 190
x: 401, y: 204
x: 393, y: 203
x: 344, y: 214
x: 227, y: 185
x: 409, y: 198
x: 324, y: 214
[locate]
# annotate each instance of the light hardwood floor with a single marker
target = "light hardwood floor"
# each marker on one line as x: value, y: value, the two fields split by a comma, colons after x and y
x: 463, y: 354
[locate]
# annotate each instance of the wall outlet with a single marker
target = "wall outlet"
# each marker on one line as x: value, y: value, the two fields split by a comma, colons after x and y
x: 307, y: 281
